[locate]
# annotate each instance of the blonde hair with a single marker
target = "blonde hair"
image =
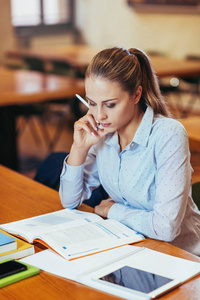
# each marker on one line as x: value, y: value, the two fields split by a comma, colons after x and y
x: 130, y: 68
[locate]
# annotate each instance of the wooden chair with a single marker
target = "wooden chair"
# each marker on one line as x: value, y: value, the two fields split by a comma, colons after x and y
x: 40, y: 113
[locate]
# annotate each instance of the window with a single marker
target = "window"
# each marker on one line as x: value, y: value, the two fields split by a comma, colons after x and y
x: 34, y: 17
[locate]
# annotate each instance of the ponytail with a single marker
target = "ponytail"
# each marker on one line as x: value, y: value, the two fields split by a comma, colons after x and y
x: 151, y: 94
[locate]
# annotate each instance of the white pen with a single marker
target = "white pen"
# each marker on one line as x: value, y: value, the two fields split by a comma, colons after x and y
x: 86, y: 104
x: 82, y: 100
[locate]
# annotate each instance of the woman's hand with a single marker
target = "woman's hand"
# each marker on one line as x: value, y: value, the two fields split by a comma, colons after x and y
x: 103, y: 208
x: 86, y: 132
x: 85, y: 136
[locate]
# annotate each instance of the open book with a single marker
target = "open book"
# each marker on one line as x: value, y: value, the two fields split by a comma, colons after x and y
x: 73, y: 233
x: 129, y: 272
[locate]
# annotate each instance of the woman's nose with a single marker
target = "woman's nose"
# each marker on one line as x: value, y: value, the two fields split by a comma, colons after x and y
x: 101, y: 115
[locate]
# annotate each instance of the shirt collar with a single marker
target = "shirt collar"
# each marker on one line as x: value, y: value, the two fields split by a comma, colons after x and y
x: 142, y: 134
x: 112, y: 139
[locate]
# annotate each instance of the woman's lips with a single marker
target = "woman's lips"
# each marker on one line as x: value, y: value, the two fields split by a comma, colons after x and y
x: 105, y: 124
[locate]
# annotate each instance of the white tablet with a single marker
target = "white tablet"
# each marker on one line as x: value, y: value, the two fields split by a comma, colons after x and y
x: 136, y: 283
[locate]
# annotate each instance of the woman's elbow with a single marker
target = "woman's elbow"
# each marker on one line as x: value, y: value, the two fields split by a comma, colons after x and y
x: 168, y: 234
x: 67, y: 202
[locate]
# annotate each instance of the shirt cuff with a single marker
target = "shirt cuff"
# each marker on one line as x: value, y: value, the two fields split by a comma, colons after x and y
x: 71, y: 172
x: 114, y: 211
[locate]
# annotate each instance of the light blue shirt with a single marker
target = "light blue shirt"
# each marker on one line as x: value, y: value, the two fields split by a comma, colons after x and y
x: 150, y: 181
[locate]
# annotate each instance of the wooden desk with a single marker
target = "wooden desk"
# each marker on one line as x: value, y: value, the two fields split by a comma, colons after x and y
x: 22, y: 197
x: 174, y: 67
x: 26, y: 87
x: 79, y: 56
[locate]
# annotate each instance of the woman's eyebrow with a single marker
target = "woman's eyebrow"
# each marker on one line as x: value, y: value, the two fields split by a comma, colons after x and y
x: 88, y: 99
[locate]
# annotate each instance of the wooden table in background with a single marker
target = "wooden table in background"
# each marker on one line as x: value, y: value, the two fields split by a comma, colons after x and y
x: 174, y: 67
x: 192, y: 126
x: 27, y: 87
x: 21, y: 198
x: 79, y: 56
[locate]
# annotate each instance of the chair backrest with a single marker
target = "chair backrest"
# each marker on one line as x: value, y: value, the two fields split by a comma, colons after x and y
x: 34, y: 64
x: 196, y: 193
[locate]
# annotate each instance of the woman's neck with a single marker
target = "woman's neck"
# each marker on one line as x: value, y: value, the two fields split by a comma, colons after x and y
x: 127, y: 134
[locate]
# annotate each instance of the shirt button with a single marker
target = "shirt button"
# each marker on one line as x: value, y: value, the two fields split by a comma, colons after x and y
x: 132, y: 143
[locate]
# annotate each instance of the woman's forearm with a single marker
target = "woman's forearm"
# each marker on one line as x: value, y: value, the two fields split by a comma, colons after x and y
x: 77, y: 156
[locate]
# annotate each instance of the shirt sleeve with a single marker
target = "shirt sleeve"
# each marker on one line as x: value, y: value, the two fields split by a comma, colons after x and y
x: 173, y: 182
x: 78, y: 182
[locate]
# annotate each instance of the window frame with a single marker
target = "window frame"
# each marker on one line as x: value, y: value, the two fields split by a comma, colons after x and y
x: 165, y: 6
x: 47, y: 29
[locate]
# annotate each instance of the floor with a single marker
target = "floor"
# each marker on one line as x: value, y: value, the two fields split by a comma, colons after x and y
x: 33, y: 151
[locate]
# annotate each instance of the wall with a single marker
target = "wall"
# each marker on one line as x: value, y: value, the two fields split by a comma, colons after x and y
x: 7, y: 40
x: 108, y: 23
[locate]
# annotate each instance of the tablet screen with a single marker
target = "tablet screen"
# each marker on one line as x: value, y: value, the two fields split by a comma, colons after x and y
x: 136, y: 279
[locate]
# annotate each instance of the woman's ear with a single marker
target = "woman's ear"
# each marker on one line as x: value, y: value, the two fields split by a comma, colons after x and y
x: 137, y: 95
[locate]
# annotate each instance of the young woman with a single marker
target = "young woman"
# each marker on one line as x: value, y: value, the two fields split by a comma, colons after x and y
x: 139, y: 154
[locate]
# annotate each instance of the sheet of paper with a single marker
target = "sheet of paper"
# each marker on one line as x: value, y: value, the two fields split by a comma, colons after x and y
x: 49, y: 261
x: 146, y: 259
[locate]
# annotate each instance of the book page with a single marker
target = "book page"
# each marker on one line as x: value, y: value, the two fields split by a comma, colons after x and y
x: 31, y: 227
x: 87, y: 238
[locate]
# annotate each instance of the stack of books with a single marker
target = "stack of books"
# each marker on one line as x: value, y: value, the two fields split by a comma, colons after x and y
x: 7, y: 243
x: 11, y: 247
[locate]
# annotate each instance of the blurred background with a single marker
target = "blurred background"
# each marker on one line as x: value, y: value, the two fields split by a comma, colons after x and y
x: 52, y: 41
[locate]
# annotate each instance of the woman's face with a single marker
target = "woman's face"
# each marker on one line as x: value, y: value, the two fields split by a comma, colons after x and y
x: 110, y: 105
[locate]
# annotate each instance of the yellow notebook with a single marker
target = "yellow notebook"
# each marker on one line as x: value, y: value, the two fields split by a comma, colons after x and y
x: 23, y: 249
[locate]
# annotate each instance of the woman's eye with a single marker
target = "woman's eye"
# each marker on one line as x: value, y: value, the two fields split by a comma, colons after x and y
x: 110, y: 105
x: 91, y: 103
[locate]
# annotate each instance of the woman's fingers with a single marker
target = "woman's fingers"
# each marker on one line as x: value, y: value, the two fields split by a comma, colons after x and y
x: 87, y: 123
x: 92, y: 121
x: 79, y: 125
